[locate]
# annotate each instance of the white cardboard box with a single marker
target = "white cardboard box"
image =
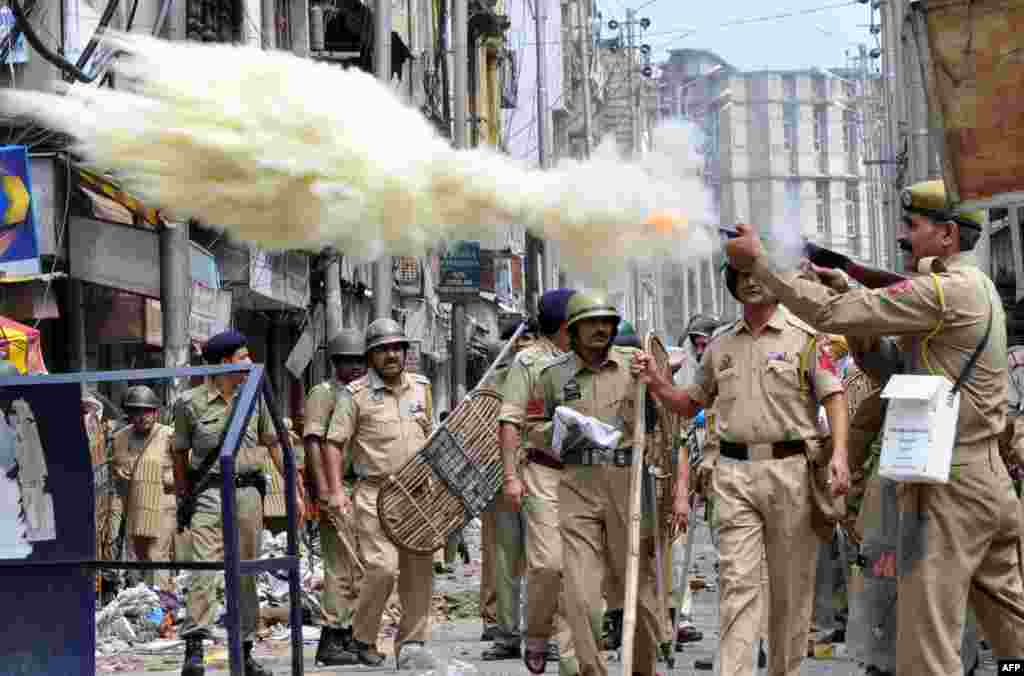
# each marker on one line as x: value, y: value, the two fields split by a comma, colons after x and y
x: 919, y: 430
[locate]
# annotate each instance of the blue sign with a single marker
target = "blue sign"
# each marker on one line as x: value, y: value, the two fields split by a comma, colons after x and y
x: 19, y: 243
x: 460, y: 270
x: 19, y: 52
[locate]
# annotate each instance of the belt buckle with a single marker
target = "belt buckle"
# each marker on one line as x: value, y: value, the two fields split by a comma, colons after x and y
x: 619, y: 455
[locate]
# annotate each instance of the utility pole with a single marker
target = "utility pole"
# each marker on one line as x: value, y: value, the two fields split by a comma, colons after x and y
x: 460, y: 44
x: 383, y: 275
x: 634, y: 98
x: 332, y: 301
x: 535, y: 247
x: 175, y: 286
x: 584, y: 46
x: 891, y: 70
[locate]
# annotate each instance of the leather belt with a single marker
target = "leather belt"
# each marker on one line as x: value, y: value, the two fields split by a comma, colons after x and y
x: 620, y: 457
x: 780, y: 450
x: 539, y: 457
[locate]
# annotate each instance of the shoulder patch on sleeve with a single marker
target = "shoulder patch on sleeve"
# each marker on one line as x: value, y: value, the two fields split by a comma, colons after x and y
x: 557, y: 361
x: 358, y: 385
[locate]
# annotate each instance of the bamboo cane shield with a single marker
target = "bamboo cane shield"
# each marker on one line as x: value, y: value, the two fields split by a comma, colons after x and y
x: 453, y: 478
x: 450, y: 481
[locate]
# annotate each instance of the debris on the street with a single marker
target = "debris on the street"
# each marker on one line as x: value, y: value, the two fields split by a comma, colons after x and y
x: 136, y: 616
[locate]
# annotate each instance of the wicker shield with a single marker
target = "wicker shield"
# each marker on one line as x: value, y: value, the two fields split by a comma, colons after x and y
x: 660, y: 444
x: 145, y: 496
x: 452, y: 479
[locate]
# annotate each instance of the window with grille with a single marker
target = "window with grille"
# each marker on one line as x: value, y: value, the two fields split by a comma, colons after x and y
x: 407, y: 271
x: 822, y: 208
x: 853, y: 216
x: 789, y: 125
x: 819, y: 87
x: 820, y: 129
x: 789, y: 86
x: 792, y: 203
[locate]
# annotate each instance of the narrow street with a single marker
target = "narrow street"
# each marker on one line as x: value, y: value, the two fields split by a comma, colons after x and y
x: 456, y: 643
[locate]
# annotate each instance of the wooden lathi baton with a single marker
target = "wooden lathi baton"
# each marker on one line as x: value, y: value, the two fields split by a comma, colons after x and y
x: 872, y: 278
x: 633, y: 558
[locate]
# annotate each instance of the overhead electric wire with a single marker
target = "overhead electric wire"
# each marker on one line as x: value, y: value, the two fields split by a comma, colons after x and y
x: 48, y: 54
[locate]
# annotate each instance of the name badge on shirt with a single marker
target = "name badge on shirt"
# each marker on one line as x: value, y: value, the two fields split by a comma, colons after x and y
x: 571, y: 391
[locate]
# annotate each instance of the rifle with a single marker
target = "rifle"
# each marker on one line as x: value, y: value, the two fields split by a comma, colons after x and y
x: 199, y: 478
x: 872, y: 278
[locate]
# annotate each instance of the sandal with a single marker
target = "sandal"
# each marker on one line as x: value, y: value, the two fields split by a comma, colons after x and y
x: 535, y: 656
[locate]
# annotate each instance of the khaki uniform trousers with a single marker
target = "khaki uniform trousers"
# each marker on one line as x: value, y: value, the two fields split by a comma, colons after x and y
x: 509, y: 569
x: 546, y: 601
x: 385, y: 565
x: 960, y: 543
x: 206, y: 538
x: 341, y: 574
x: 765, y: 516
x: 593, y: 509
x: 488, y: 569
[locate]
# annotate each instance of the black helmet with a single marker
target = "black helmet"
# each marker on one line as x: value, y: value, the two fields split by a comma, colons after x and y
x: 347, y: 343
x: 384, y: 332
x: 140, y: 396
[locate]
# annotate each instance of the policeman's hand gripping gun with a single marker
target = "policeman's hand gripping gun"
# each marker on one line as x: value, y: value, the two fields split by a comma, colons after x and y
x: 872, y: 278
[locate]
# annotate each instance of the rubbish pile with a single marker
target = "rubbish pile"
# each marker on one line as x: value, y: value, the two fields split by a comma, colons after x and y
x: 139, y: 615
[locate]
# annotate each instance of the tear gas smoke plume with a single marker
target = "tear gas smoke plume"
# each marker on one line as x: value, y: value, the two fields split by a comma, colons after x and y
x: 286, y: 152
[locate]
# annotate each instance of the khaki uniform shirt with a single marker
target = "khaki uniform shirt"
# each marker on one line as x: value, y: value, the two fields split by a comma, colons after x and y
x: 607, y: 393
x: 320, y: 405
x: 912, y: 310
x: 518, y: 407
x: 200, y: 416
x: 756, y: 385
x: 386, y: 426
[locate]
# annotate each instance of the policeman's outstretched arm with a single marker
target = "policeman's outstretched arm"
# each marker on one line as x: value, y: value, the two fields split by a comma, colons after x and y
x: 912, y: 306
x: 676, y: 399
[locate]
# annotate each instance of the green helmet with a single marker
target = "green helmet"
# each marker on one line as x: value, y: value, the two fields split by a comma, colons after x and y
x: 8, y: 369
x: 347, y: 343
x: 591, y: 306
x: 140, y: 396
x: 382, y: 332
x: 702, y: 325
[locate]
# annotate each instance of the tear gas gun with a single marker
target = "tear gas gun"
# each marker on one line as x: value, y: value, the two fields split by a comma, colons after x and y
x: 872, y: 278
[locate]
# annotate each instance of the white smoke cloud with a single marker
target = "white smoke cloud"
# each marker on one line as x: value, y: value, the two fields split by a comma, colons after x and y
x: 290, y: 153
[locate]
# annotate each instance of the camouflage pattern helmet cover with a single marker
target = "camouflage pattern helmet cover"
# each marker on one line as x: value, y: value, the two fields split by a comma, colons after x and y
x: 382, y: 332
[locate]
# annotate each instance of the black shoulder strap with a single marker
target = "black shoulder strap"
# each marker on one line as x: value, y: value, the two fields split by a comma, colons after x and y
x: 969, y: 366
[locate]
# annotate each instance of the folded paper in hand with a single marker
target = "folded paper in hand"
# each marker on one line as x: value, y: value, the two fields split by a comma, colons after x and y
x: 576, y: 432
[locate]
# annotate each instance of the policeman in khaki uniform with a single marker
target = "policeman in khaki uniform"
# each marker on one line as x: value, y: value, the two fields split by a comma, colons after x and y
x: 960, y: 539
x: 501, y: 547
x: 385, y: 420
x: 200, y: 416
x: 766, y: 418
x: 595, y: 380
x: 347, y: 351
x: 531, y: 487
x: 144, y: 470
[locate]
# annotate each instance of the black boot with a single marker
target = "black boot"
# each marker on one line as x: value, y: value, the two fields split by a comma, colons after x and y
x: 331, y: 650
x: 366, y: 653
x: 193, y: 665
x: 672, y: 617
x: 252, y: 667
x: 615, y: 618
